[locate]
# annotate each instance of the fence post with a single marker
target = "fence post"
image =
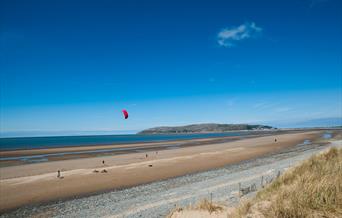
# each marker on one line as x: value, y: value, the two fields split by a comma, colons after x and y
x: 239, y: 189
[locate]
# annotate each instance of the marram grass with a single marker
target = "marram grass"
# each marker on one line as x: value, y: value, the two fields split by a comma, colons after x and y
x: 312, y: 189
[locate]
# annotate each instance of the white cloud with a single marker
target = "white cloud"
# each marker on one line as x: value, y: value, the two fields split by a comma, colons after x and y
x: 228, y: 36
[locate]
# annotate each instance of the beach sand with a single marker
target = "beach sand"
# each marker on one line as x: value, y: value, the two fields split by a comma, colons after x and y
x: 38, y: 183
x: 152, y: 145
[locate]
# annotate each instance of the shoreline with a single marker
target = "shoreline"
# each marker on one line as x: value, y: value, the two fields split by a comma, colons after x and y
x: 23, y: 157
x: 129, y: 169
x: 16, y: 152
x: 208, y: 135
x: 251, y: 133
x: 30, y: 156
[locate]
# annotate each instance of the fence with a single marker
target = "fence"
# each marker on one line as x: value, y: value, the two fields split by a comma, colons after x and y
x: 253, y: 187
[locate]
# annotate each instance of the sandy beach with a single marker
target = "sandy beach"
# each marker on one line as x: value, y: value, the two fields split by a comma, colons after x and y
x: 37, y: 183
x: 152, y: 145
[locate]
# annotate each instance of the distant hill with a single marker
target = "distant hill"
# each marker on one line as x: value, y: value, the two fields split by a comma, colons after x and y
x: 203, y: 128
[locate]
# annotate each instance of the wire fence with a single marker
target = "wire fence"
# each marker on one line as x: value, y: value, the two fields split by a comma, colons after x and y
x: 264, y: 180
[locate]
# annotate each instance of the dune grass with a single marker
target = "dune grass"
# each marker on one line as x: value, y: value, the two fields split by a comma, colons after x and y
x: 312, y: 189
x: 203, y: 205
x: 209, y: 206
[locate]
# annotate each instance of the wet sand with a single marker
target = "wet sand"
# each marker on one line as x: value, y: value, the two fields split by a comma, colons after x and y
x: 37, y: 183
x: 155, y: 145
x: 29, y: 156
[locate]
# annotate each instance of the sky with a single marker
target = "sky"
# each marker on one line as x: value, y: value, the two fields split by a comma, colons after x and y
x: 71, y: 66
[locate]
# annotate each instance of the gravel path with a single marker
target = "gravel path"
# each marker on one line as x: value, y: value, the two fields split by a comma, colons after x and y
x: 159, y: 198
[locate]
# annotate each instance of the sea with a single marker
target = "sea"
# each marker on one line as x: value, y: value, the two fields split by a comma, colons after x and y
x: 66, y: 141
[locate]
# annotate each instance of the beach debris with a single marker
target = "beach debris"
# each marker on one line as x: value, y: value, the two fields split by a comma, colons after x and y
x: 146, y: 155
x: 275, y: 140
x: 104, y: 171
x: 150, y: 165
x: 103, y: 162
x: 125, y: 113
x: 248, y: 189
x: 95, y: 171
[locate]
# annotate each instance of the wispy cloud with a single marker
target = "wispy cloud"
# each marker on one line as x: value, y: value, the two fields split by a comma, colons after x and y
x: 263, y: 105
x: 276, y: 107
x: 283, y: 109
x: 227, y: 37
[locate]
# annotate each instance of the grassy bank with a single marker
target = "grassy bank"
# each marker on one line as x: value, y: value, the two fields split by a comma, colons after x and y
x: 312, y: 189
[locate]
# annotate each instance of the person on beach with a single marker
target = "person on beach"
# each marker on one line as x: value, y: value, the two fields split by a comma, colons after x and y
x: 58, y: 174
x: 103, y: 162
x: 146, y: 155
x: 275, y: 140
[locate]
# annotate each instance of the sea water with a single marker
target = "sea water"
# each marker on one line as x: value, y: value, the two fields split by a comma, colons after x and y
x: 65, y: 141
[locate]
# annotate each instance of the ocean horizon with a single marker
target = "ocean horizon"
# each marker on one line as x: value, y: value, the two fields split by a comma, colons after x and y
x: 15, y: 143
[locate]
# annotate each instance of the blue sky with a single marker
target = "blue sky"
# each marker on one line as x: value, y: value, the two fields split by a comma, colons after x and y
x: 69, y: 66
